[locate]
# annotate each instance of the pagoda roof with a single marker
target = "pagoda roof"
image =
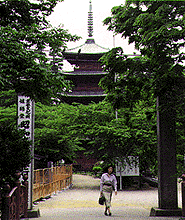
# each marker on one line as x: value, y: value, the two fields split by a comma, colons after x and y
x: 89, y: 47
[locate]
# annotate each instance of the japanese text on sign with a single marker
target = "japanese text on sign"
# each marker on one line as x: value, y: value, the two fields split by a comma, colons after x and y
x: 25, y: 106
x: 129, y: 167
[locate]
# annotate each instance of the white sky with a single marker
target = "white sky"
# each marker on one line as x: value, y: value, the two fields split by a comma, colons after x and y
x: 73, y: 15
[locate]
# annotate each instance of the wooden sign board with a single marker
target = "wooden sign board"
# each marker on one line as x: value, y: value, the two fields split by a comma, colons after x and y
x: 129, y: 167
x: 26, y: 113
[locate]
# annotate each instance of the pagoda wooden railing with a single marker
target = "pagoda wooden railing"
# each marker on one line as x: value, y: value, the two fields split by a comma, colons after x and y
x: 50, y: 180
x: 88, y: 89
x: 86, y: 93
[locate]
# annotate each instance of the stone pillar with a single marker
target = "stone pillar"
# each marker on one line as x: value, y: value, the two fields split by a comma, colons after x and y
x: 167, y: 175
x: 166, y: 155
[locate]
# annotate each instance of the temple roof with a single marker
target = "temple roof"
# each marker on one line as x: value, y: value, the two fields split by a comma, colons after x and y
x: 89, y: 47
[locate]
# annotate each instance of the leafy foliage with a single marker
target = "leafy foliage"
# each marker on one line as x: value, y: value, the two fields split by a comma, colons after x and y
x: 30, y: 64
x: 157, y: 28
x: 25, y: 38
x: 62, y: 130
x: 15, y: 151
x: 128, y: 79
x: 8, y: 98
x: 52, y: 137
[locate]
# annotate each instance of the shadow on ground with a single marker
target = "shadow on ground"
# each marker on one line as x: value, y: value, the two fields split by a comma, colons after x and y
x: 86, y: 187
x: 85, y: 182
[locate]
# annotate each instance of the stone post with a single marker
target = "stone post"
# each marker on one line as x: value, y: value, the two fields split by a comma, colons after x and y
x: 167, y: 175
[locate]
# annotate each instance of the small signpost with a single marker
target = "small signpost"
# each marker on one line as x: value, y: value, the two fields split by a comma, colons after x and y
x: 129, y: 167
x: 26, y: 113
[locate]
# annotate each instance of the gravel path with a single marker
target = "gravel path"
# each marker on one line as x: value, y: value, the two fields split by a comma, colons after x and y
x: 81, y: 202
x: 85, y: 182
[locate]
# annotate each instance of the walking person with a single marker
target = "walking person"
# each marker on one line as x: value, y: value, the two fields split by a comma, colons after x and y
x: 108, y: 183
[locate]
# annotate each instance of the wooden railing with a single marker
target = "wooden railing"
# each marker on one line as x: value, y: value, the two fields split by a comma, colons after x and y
x: 15, y: 201
x: 50, y: 180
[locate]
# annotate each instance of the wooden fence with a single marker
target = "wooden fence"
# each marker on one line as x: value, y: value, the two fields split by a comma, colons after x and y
x: 15, y: 202
x: 50, y: 180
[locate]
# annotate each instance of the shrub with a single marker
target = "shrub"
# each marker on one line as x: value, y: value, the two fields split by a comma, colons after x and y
x: 15, y: 151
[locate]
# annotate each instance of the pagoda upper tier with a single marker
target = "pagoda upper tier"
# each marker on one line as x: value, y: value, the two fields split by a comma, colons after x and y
x: 89, y: 51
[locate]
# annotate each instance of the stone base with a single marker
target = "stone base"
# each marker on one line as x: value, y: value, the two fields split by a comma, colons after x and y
x: 33, y: 213
x: 165, y: 212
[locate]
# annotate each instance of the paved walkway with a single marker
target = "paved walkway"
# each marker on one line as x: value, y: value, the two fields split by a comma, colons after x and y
x: 80, y: 203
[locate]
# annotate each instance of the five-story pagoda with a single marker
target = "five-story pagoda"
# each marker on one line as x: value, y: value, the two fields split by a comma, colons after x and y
x: 87, y: 71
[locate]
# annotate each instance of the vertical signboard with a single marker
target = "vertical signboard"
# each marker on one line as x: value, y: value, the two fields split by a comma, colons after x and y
x: 26, y: 112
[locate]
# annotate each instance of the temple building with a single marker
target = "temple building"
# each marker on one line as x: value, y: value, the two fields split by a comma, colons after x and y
x: 87, y: 69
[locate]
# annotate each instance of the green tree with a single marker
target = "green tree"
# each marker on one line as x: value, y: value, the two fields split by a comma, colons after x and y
x: 158, y: 30
x: 25, y: 35
x: 8, y: 98
x: 131, y: 134
x: 25, y: 67
x: 62, y: 130
x: 15, y: 151
x: 53, y: 139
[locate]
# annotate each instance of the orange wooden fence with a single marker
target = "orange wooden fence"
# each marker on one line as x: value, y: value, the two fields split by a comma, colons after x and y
x: 50, y: 180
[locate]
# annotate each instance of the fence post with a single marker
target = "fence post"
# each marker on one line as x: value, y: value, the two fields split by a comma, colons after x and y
x: 50, y: 181
x: 43, y: 181
x: 58, y: 177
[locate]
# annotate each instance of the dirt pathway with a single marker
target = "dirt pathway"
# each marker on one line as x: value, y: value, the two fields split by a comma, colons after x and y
x: 85, y: 182
x: 85, y: 193
x: 81, y: 202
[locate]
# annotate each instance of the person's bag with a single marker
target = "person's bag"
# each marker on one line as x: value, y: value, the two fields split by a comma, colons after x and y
x: 101, y: 200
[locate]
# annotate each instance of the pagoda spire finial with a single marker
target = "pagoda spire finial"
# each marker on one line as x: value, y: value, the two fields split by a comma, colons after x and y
x: 90, y: 20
